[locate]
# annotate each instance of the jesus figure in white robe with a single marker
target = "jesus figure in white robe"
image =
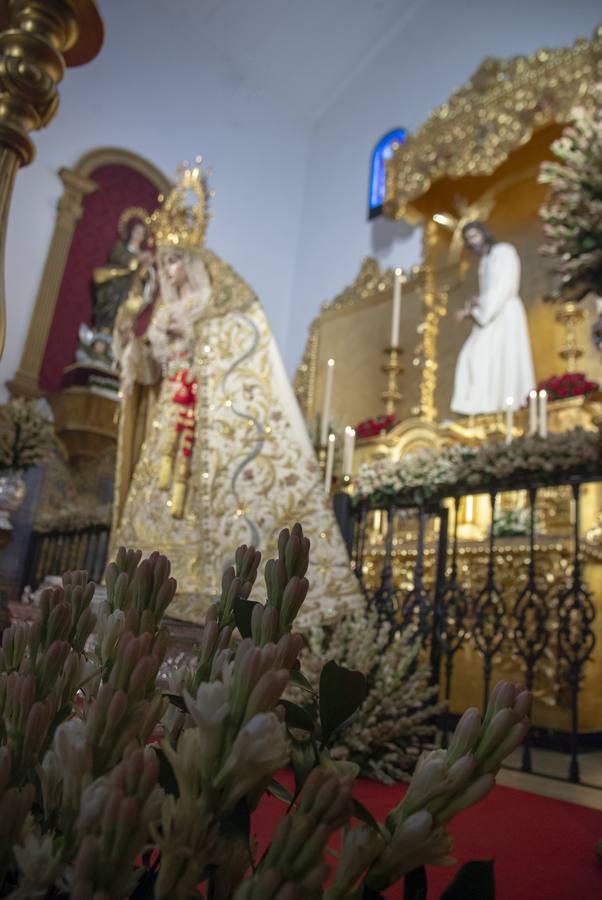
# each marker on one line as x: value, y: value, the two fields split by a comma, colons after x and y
x: 495, y: 366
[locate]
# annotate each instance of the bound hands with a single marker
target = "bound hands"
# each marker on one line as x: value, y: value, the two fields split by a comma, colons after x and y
x: 467, y: 310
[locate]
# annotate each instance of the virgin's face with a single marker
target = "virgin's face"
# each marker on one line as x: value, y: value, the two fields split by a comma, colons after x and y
x: 175, y: 271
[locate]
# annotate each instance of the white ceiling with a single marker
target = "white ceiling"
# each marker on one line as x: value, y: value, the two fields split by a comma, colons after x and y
x: 297, y: 53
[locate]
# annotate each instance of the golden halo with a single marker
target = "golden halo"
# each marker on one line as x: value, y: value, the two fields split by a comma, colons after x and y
x: 132, y: 212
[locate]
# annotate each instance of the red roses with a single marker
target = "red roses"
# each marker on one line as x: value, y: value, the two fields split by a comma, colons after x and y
x: 571, y: 384
x: 373, y: 427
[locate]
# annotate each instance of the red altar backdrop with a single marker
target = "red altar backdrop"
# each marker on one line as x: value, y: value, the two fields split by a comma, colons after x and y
x: 119, y: 187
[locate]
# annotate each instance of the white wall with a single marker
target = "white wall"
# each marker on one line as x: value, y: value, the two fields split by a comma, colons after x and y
x: 431, y: 53
x: 290, y: 210
x: 161, y: 89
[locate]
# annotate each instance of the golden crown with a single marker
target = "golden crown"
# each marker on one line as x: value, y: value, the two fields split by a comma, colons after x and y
x: 181, y: 220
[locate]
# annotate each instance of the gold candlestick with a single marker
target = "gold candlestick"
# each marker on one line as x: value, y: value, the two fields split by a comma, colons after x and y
x: 392, y: 368
x: 38, y: 39
x: 322, y: 459
x: 570, y: 315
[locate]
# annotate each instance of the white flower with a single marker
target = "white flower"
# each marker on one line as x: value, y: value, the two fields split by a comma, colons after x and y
x: 259, y: 750
x: 209, y: 711
x: 74, y: 755
x: 92, y: 805
x: 40, y: 865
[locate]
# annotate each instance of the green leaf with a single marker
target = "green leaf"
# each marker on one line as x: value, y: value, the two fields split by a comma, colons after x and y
x: 278, y: 790
x: 297, y: 717
x: 177, y: 700
x: 243, y: 610
x: 474, y: 881
x: 364, y: 815
x: 303, y: 759
x: 167, y: 777
x: 300, y: 681
x: 342, y: 691
x: 415, y: 884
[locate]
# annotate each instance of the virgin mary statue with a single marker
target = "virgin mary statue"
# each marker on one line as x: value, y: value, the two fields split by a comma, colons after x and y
x: 213, y: 451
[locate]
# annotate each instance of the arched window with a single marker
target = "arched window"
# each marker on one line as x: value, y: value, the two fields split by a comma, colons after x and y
x: 384, y: 150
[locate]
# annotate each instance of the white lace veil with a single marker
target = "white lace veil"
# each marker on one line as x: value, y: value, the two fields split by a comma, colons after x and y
x: 174, y: 310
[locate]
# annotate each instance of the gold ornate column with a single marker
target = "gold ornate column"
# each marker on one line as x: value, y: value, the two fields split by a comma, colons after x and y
x: 70, y: 210
x: 435, y: 306
x: 38, y: 38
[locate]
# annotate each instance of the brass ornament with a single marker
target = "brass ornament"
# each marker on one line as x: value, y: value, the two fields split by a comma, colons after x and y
x: 569, y: 316
x: 392, y: 369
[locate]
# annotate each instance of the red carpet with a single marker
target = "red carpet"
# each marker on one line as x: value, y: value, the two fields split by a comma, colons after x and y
x: 543, y: 849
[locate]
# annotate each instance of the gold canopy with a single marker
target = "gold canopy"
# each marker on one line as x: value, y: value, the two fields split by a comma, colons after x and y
x: 499, y: 110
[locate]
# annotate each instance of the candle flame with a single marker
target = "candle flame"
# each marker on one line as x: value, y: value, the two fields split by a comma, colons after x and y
x: 331, y: 362
x: 543, y: 393
x: 331, y: 437
x: 533, y: 394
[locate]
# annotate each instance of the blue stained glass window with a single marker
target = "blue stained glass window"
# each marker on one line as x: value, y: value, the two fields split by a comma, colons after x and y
x: 384, y: 150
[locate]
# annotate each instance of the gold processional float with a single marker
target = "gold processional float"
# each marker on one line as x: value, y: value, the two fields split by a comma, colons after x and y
x: 476, y: 158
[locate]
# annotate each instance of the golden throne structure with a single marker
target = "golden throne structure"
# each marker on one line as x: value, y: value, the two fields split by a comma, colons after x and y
x: 476, y: 157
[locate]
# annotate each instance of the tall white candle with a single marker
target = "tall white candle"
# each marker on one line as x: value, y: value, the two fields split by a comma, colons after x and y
x: 327, y: 403
x: 329, y: 464
x: 348, y: 449
x: 469, y: 508
x: 509, y: 418
x: 396, y: 317
x: 533, y: 412
x: 543, y: 414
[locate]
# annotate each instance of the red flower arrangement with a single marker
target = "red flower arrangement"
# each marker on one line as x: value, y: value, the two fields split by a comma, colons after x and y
x: 373, y: 427
x: 571, y: 384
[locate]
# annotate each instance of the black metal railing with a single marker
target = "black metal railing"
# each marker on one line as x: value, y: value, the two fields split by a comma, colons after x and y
x: 55, y: 552
x: 525, y: 613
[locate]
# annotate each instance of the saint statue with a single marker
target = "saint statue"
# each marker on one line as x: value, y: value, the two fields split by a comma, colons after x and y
x: 495, y: 365
x: 128, y: 269
x: 213, y: 450
x: 127, y: 259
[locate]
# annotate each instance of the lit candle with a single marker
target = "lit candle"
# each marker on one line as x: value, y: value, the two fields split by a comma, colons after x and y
x: 533, y: 412
x: 509, y: 418
x: 396, y: 318
x: 348, y: 449
x: 469, y: 508
x: 327, y: 402
x: 329, y: 464
x: 543, y: 414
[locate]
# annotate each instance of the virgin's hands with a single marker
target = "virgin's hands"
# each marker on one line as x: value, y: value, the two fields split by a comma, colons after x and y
x: 125, y: 330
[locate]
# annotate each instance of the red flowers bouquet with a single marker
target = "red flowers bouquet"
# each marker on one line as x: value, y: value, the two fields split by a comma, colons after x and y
x: 571, y: 384
x: 373, y: 427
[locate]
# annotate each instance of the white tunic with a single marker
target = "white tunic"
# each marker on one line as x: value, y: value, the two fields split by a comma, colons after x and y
x: 495, y: 362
